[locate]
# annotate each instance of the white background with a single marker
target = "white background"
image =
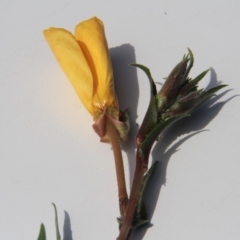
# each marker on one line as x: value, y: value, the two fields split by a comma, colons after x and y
x: 49, y: 152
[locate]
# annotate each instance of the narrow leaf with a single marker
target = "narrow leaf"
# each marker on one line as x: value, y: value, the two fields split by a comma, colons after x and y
x: 42, y: 233
x: 139, y: 223
x: 192, y: 84
x: 140, y: 210
x: 153, y: 135
x: 58, y: 236
x: 211, y: 91
x: 191, y: 61
x: 148, y: 73
x: 150, y: 119
x: 195, y: 81
x: 208, y: 94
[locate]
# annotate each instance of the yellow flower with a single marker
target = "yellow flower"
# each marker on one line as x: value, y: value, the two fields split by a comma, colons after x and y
x: 85, y: 59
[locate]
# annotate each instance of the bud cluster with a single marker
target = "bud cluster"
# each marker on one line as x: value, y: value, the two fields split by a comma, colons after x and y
x: 178, y: 97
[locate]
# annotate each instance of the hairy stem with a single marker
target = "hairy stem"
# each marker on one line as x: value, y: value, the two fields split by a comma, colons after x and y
x: 134, y: 195
x: 122, y: 192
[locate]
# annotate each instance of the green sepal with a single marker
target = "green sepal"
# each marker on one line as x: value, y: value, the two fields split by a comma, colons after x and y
x: 119, y: 119
x: 208, y: 94
x: 58, y: 236
x: 190, y: 63
x: 188, y: 105
x: 192, y: 84
x: 196, y: 80
x: 146, y: 145
x: 42, y: 233
x: 150, y: 119
x: 211, y: 91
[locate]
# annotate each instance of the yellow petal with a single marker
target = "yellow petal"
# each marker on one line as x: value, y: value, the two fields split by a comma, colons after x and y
x: 91, y: 38
x: 71, y: 59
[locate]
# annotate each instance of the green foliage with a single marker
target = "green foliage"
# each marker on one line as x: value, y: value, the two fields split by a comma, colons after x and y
x: 140, y: 216
x: 42, y: 233
x: 178, y: 97
x: 58, y: 236
x: 150, y: 120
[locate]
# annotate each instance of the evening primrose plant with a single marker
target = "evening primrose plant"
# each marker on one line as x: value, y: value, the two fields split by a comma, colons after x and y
x: 178, y: 98
x: 85, y: 59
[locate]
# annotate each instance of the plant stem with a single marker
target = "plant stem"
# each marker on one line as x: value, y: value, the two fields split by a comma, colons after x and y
x: 122, y: 192
x: 132, y: 203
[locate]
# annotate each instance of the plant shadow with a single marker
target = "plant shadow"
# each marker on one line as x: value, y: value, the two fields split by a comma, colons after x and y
x: 191, y: 125
x: 67, y: 231
x: 127, y: 90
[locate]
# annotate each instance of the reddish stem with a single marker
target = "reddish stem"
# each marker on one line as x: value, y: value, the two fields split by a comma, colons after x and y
x: 122, y: 192
x: 132, y: 203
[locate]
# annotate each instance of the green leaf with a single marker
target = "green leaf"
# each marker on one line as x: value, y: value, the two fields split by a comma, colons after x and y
x: 192, y: 84
x: 151, y: 117
x: 211, y: 91
x: 139, y: 223
x: 58, y: 236
x: 195, y: 81
x: 188, y: 104
x: 191, y: 61
x: 208, y: 94
x: 146, y: 145
x: 141, y: 210
x: 42, y: 233
x: 148, y: 73
x: 140, y: 215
